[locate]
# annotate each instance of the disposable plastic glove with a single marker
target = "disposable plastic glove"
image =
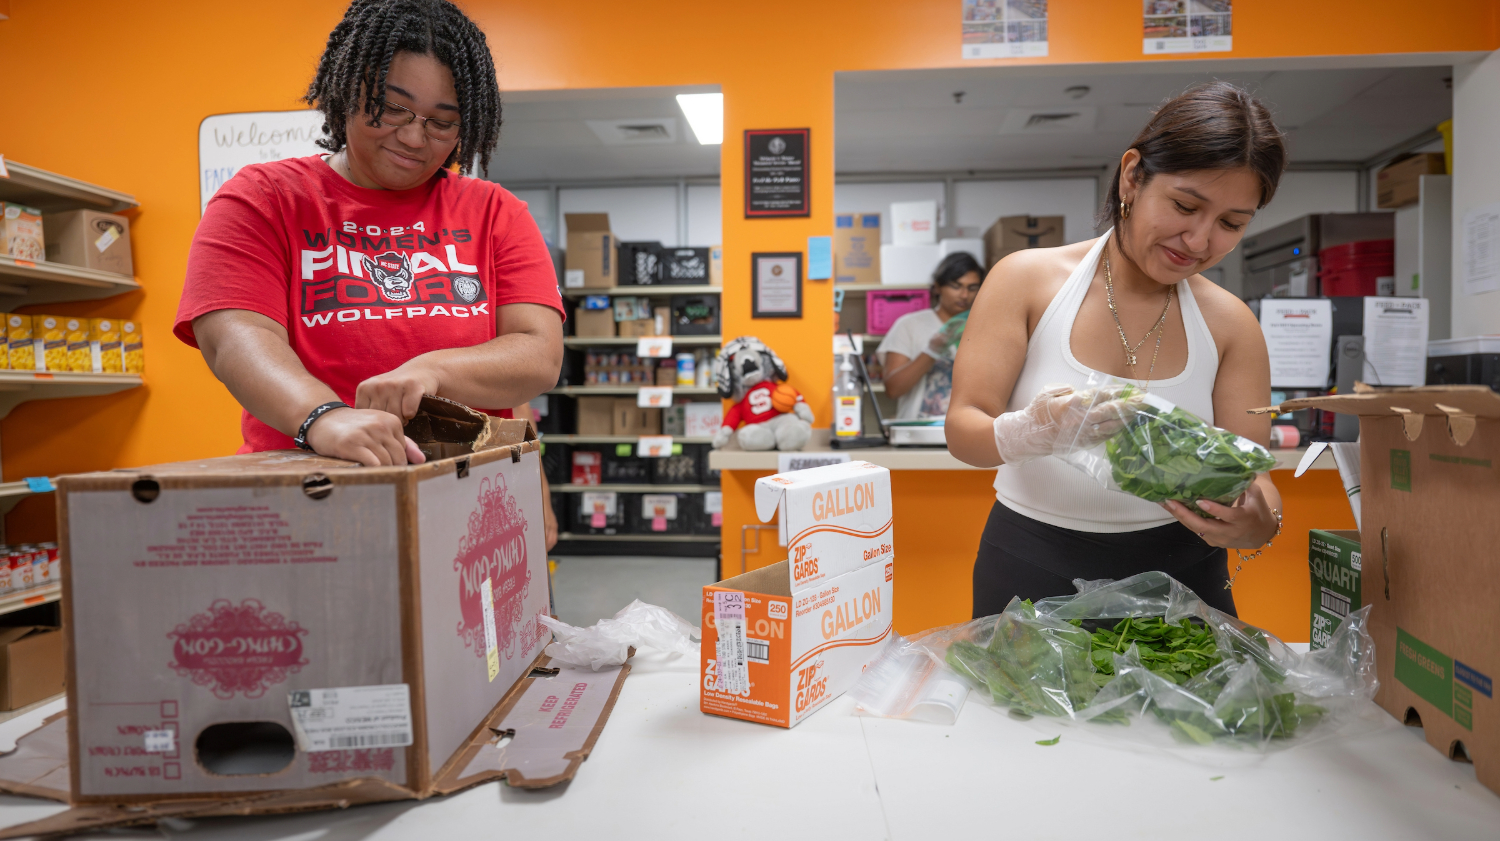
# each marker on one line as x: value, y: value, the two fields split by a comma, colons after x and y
x: 1060, y: 419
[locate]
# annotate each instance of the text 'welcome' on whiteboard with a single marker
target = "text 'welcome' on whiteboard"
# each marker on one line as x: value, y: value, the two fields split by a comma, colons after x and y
x: 227, y: 142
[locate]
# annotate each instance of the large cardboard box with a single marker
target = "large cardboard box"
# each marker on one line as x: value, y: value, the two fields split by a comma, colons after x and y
x: 289, y: 623
x: 631, y: 419
x: 591, y: 262
x: 1430, y: 484
x: 593, y: 324
x: 89, y: 239
x: 596, y: 416
x: 1398, y: 183
x: 856, y: 247
x: 908, y: 265
x: 31, y: 665
x: 781, y: 641
x: 1015, y: 233
x: 914, y: 222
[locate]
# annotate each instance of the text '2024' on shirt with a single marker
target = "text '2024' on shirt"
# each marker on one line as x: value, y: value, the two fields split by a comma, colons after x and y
x: 363, y: 280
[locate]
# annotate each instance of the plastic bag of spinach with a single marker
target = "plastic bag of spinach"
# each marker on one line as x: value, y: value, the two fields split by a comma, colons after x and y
x: 1162, y: 452
x: 1145, y: 657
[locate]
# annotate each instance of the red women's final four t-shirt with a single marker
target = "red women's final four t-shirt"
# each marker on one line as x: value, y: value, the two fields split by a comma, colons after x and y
x: 363, y: 280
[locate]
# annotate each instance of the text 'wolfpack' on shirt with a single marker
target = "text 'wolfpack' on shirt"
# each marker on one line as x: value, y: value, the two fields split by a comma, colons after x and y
x: 411, y: 275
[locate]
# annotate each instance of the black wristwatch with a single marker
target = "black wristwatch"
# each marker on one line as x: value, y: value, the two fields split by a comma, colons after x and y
x: 301, y: 439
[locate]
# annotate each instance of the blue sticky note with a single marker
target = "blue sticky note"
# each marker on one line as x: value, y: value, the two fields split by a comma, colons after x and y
x: 819, y: 258
x: 39, y: 484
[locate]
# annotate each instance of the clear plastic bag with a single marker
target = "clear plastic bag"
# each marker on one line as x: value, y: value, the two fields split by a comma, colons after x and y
x: 609, y: 642
x: 1208, y: 679
x: 904, y: 682
x: 1160, y: 451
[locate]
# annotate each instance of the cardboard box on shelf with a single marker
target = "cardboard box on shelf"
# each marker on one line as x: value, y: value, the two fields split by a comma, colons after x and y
x: 21, y: 232
x: 716, y: 266
x: 856, y: 247
x: 590, y: 262
x: 104, y: 346
x: 1015, y: 233
x: 31, y: 665
x: 1427, y: 465
x: 90, y: 239
x: 1399, y: 182
x: 593, y: 324
x: 630, y: 419
x: 781, y: 641
x: 973, y: 246
x: 596, y: 416
x: 908, y: 265
x: 21, y: 346
x: 914, y: 223
x: 359, y: 630
x: 132, y: 347
x: 1334, y: 564
x: 78, y: 336
x: 637, y: 328
x: 49, y: 342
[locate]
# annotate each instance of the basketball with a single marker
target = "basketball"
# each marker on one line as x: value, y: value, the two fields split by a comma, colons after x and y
x: 783, y: 398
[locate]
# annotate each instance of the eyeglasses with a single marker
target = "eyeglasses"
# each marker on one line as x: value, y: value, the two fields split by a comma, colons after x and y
x: 972, y: 289
x: 394, y: 116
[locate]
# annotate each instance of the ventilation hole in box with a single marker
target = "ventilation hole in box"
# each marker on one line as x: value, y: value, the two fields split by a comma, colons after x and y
x: 1412, y: 718
x: 245, y: 747
x: 1458, y: 753
x: 145, y: 490
x: 502, y: 737
x: 317, y: 485
x: 461, y: 468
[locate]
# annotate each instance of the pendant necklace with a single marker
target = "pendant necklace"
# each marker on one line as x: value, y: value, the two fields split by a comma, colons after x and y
x: 1159, y: 329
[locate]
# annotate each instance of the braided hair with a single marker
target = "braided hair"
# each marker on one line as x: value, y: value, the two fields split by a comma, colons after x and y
x: 351, y: 74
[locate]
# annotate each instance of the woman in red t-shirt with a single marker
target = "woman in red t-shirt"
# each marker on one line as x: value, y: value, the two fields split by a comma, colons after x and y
x: 330, y: 293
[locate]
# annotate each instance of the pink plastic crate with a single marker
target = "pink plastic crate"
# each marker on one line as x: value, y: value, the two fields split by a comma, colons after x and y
x: 883, y: 308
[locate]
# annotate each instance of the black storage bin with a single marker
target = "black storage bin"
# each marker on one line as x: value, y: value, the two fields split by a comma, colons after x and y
x: 560, y: 417
x: 557, y: 463
x: 581, y: 521
x: 571, y: 372
x: 686, y: 521
x: 703, y: 522
x: 685, y: 468
x: 706, y: 475
x: 640, y: 263
x: 695, y: 315
x: 685, y: 266
x: 623, y: 467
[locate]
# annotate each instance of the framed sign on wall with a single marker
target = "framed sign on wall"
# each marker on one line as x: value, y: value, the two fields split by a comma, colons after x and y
x: 776, y: 284
x: 776, y: 172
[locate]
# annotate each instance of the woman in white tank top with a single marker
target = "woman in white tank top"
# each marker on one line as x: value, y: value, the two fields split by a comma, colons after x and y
x: 1132, y: 304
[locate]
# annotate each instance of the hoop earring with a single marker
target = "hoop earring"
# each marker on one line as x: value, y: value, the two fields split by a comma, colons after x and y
x: 1124, y: 210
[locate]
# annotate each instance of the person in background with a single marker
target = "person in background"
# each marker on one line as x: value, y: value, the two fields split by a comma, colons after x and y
x: 914, y: 354
x: 329, y: 293
x: 1133, y: 304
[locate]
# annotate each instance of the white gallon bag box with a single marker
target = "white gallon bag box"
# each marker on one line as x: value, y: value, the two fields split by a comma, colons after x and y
x: 782, y: 641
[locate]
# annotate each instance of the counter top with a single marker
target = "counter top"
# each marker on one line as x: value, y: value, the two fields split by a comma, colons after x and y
x: 921, y: 458
x: 662, y: 770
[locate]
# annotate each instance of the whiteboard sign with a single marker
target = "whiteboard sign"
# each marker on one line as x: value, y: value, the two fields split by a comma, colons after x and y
x: 227, y: 142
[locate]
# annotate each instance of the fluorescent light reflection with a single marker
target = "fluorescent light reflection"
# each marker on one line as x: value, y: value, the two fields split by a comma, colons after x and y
x: 705, y: 113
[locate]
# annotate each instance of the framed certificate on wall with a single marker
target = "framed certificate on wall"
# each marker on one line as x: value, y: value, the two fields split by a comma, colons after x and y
x: 776, y: 284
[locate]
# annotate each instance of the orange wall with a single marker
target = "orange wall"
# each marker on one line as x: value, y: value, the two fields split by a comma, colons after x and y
x: 126, y: 85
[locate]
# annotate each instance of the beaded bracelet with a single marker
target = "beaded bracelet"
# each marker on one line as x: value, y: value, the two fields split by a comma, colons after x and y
x: 1229, y: 585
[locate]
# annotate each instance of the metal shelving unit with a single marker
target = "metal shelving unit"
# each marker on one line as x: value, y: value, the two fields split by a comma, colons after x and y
x: 22, y: 599
x: 570, y: 438
x: 655, y: 290
x: 11, y: 494
x: 24, y: 282
x: 637, y: 489
x: 625, y: 390
x: 622, y: 341
x: 16, y: 387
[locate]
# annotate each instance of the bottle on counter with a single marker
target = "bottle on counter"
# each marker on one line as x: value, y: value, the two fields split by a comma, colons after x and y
x: 848, y: 413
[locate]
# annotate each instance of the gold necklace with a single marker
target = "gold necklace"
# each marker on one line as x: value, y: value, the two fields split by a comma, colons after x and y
x: 1158, y: 329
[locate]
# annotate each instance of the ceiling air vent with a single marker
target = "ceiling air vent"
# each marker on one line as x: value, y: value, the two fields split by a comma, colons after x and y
x: 635, y: 132
x: 1059, y: 120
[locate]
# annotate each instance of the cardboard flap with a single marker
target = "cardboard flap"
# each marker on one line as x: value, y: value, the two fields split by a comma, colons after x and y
x: 541, y: 733
x: 38, y: 767
x: 444, y: 428
x: 580, y: 222
x: 10, y: 635
x: 768, y: 493
x: 1474, y: 400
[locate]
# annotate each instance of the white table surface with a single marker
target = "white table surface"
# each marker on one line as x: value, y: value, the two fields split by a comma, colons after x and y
x: 663, y: 770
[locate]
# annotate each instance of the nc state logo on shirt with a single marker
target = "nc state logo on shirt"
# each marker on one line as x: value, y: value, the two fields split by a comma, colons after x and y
x: 392, y: 272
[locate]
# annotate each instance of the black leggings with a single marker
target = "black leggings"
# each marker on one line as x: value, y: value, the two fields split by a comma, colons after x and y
x: 1026, y: 558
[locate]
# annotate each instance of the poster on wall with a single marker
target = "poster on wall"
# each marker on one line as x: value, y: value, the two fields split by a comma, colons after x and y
x: 776, y: 172
x: 227, y: 142
x: 1004, y: 28
x: 1188, y: 26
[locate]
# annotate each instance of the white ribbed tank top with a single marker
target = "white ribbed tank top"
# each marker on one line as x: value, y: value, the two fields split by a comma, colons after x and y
x: 1050, y: 490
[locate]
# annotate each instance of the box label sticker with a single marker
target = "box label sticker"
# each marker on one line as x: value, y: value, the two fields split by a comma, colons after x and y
x: 1429, y: 673
x: 653, y: 446
x: 161, y: 741
x: 1401, y: 470
x: 352, y: 717
x: 656, y: 347
x: 573, y: 279
x: 491, y: 650
x: 1473, y: 677
x: 730, y: 648
x: 654, y: 397
x: 106, y: 239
